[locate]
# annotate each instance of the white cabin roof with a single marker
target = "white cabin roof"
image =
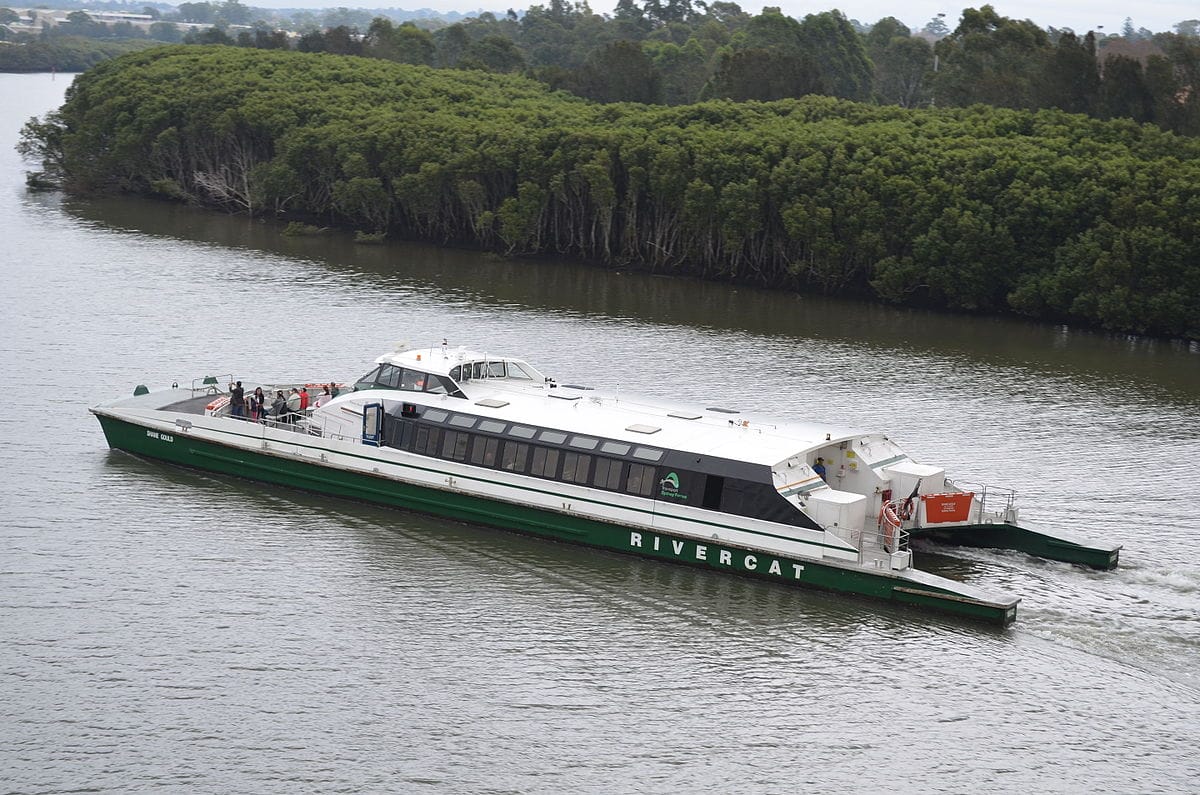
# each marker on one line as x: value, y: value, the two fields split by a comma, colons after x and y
x: 638, y: 420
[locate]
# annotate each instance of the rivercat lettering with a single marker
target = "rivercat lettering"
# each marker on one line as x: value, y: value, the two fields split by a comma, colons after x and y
x: 162, y: 437
x: 724, y: 557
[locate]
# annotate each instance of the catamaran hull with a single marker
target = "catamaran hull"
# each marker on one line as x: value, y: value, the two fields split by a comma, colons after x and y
x: 1040, y: 543
x: 312, y: 474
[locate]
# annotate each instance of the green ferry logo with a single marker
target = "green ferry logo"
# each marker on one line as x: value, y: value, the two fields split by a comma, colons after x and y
x: 669, y: 487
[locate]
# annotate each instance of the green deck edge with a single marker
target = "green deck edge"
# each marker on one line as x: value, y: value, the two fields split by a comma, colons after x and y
x: 308, y: 474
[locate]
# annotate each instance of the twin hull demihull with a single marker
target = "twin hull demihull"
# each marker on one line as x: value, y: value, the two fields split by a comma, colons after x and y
x: 311, y: 475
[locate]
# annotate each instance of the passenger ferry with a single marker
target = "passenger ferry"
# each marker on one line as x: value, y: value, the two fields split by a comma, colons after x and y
x: 492, y: 440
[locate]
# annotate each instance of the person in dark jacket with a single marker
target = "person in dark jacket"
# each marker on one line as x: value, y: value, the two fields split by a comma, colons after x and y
x: 279, y: 407
x: 237, y: 400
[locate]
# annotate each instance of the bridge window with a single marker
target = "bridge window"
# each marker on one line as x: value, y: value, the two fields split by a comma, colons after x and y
x: 516, y: 371
x: 390, y: 376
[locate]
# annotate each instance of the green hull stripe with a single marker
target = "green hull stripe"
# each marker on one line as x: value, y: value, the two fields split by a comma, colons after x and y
x: 182, y: 449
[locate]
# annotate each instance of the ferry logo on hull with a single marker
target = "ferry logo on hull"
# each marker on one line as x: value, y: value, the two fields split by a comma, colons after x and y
x: 669, y: 487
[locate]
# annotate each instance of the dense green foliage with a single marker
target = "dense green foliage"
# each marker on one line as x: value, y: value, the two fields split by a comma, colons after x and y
x: 680, y: 52
x: 1052, y: 215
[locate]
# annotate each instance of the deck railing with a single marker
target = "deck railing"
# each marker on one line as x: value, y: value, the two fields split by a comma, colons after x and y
x: 996, y: 503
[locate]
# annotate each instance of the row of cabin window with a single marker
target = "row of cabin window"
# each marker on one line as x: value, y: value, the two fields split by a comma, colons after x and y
x: 546, y: 435
x: 498, y: 369
x: 390, y: 376
x: 534, y: 459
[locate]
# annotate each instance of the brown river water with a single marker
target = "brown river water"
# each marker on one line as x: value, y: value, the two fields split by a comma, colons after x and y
x: 163, y: 629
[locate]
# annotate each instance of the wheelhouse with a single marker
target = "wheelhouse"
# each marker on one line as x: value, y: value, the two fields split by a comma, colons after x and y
x: 408, y: 379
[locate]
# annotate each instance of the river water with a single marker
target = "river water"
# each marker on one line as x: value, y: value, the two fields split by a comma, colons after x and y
x: 165, y: 629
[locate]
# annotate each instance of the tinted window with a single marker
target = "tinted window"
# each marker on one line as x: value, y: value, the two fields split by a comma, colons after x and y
x: 495, y: 369
x: 389, y: 375
x: 435, y: 415
x: 640, y: 480
x: 608, y: 474
x: 454, y: 445
x: 412, y: 380
x: 483, y: 451
x: 517, y: 371
x: 439, y: 385
x: 575, y: 467
x: 514, y: 457
x: 368, y: 380
x: 426, y: 440
x: 545, y: 462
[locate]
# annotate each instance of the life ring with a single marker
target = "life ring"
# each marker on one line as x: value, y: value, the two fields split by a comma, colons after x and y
x: 889, y: 524
x: 217, y: 404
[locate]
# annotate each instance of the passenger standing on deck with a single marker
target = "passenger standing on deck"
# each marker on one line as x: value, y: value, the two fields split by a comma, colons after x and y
x: 279, y: 406
x: 258, y: 404
x: 303, y: 399
x: 293, y: 405
x: 819, y: 468
x: 237, y: 400
x: 333, y: 390
x: 323, y: 398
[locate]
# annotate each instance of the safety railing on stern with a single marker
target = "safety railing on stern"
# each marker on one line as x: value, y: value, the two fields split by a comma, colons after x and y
x: 996, y: 503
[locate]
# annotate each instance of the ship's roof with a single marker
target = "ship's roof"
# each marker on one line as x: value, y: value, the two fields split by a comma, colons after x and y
x: 707, y: 431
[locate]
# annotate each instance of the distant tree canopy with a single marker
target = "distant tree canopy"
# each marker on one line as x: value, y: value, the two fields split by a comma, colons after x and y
x: 1053, y: 215
x: 676, y: 52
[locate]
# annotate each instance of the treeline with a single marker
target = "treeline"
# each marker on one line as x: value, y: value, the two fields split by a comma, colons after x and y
x: 65, y: 54
x: 1051, y: 215
x: 678, y: 52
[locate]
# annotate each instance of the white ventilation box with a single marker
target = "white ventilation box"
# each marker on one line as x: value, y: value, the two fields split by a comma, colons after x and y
x: 907, y: 474
x: 840, y: 509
